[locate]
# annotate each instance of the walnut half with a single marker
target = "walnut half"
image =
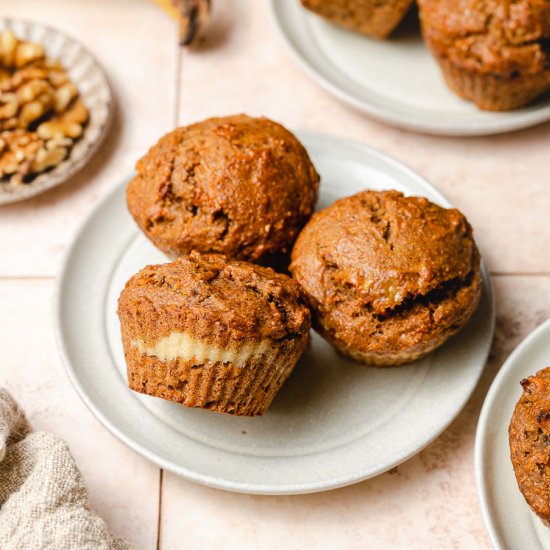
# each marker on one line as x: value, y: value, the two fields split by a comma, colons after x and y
x: 41, y: 112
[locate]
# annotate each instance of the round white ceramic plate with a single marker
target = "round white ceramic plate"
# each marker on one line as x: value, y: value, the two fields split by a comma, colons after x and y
x: 94, y: 89
x: 395, y: 81
x: 333, y: 423
x: 508, y: 518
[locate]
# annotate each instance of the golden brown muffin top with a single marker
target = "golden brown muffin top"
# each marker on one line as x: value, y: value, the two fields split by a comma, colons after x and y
x: 500, y: 36
x: 530, y: 442
x: 392, y: 249
x: 250, y: 300
x: 236, y: 185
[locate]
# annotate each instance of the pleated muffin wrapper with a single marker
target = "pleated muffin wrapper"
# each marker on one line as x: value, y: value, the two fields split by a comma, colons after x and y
x: 390, y: 359
x: 394, y: 359
x: 494, y: 92
x: 385, y: 355
x: 221, y: 372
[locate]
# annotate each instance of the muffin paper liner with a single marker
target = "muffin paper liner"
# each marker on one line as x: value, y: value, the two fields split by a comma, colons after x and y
x: 387, y: 358
x: 493, y: 92
x: 245, y: 387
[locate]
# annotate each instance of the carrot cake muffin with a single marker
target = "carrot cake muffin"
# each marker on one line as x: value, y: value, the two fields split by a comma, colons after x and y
x: 237, y: 185
x: 389, y: 277
x: 494, y: 53
x: 211, y: 332
x: 530, y: 443
x: 377, y: 18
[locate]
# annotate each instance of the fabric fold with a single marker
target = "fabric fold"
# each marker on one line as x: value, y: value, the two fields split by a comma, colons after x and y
x: 43, y: 501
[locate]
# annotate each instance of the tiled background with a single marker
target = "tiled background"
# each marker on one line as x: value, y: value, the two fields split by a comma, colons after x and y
x: 500, y: 183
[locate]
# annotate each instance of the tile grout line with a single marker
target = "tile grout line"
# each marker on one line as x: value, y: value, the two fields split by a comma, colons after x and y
x: 159, y: 517
x: 177, y: 85
x: 175, y: 123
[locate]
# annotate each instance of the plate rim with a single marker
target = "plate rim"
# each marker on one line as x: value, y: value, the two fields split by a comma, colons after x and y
x: 406, y: 122
x: 51, y: 182
x: 481, y: 436
x: 211, y: 480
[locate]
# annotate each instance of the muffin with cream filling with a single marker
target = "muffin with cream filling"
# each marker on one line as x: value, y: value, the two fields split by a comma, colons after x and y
x: 210, y: 332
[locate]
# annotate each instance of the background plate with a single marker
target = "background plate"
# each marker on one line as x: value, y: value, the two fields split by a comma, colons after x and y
x: 333, y: 423
x: 508, y: 518
x: 94, y: 89
x: 395, y: 81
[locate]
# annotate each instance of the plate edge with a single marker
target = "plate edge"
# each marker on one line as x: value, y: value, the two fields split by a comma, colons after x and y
x: 481, y: 432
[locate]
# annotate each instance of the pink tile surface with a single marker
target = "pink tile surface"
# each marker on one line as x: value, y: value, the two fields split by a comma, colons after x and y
x: 133, y: 42
x: 123, y: 487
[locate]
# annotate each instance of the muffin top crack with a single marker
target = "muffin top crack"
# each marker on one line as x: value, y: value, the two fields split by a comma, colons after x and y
x: 236, y: 185
x: 389, y: 277
x: 391, y: 248
x: 209, y: 289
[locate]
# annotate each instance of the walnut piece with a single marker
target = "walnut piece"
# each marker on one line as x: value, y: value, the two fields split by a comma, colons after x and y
x: 41, y: 112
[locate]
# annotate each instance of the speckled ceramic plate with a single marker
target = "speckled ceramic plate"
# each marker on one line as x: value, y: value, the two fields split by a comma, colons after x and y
x: 395, y: 81
x: 333, y: 423
x: 94, y: 89
x: 508, y: 518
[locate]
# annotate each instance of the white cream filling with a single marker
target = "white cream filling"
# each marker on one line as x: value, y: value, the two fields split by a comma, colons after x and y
x: 180, y: 345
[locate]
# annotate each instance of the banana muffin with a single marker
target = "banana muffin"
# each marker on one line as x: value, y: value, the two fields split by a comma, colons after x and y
x: 389, y: 277
x: 530, y: 443
x: 237, y: 185
x: 494, y: 53
x: 376, y: 18
x: 211, y: 332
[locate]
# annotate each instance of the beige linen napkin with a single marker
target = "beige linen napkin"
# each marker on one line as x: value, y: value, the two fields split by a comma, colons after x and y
x: 43, y: 501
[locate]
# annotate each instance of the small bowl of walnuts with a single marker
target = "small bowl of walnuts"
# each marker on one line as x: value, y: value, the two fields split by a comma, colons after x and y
x: 55, y: 107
